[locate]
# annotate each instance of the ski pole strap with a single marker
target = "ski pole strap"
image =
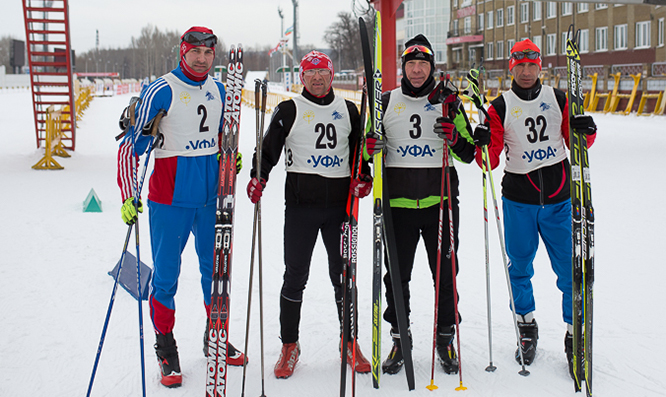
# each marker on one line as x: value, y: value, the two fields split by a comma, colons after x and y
x: 127, y: 117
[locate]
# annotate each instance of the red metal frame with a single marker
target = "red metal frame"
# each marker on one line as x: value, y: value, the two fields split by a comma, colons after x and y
x: 387, y: 8
x: 51, y: 75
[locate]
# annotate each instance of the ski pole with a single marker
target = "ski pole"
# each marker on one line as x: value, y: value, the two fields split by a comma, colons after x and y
x: 446, y: 179
x: 257, y: 85
x: 478, y: 101
x: 264, y: 96
x: 122, y: 258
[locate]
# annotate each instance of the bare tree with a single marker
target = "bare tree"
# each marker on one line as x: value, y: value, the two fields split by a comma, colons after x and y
x: 344, y: 39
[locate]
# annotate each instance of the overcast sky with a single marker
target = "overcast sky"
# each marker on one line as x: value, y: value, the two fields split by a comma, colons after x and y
x: 249, y: 22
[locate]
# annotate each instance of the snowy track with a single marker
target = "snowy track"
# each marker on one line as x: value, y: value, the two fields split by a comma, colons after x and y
x: 54, y: 290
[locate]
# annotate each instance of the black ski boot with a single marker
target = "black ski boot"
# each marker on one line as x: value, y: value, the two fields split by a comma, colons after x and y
x: 445, y: 350
x: 568, y: 349
x: 167, y: 357
x: 394, y: 362
x: 529, y: 335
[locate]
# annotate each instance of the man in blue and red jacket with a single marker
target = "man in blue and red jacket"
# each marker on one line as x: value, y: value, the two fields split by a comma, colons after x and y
x: 183, y: 186
x: 531, y: 124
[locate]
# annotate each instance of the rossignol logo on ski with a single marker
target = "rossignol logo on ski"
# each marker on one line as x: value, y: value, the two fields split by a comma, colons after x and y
x: 416, y: 151
x: 539, y: 155
x: 325, y: 161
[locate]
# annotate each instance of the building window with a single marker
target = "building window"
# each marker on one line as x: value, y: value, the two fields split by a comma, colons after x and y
x: 480, y: 21
x: 510, y: 12
x: 551, y: 10
x: 537, y: 40
x: 467, y: 25
x: 601, y: 39
x: 536, y: 14
x: 490, y: 50
x: 490, y: 19
x: 564, y: 43
x: 584, y: 44
x: 620, y: 37
x: 600, y: 6
x: 660, y: 32
x: 567, y: 8
x: 455, y: 28
x: 551, y: 40
x: 500, y: 50
x: 583, y: 7
x: 455, y: 3
x: 500, y: 17
x: 524, y: 12
x: 509, y: 46
x: 643, y: 34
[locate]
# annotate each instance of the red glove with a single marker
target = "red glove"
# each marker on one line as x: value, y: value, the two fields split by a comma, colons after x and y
x: 445, y: 129
x: 373, y: 144
x: 255, y: 189
x: 361, y: 186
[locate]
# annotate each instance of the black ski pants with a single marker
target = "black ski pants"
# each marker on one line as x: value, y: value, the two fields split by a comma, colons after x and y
x: 301, y: 228
x: 410, y: 225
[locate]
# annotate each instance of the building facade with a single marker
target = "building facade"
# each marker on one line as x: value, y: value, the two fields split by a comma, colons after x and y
x: 610, y: 34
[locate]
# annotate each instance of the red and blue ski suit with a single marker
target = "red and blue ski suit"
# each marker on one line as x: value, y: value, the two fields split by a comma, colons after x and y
x: 532, y: 127
x: 183, y: 185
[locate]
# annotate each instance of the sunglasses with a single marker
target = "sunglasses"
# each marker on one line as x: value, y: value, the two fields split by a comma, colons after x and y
x: 200, y: 39
x: 417, y: 48
x: 527, y: 53
x: 311, y: 72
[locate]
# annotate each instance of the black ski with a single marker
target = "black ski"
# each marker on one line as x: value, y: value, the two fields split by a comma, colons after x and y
x: 382, y: 216
x: 349, y: 258
x: 582, y: 219
x: 216, y: 369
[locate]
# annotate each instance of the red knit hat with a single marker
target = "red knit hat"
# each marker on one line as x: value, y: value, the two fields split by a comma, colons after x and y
x: 196, y: 36
x: 525, y: 49
x: 316, y: 60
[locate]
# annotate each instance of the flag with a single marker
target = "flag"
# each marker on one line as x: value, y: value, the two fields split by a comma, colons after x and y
x: 289, y: 30
x: 280, y: 44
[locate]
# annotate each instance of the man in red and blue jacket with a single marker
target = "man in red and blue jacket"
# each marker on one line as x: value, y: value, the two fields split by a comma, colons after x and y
x: 531, y: 124
x: 182, y: 193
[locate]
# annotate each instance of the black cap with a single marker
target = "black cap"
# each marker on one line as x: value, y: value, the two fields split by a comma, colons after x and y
x: 419, y: 39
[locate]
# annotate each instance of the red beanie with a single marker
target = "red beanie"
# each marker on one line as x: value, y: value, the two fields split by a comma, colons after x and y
x: 524, y: 46
x: 316, y: 60
x: 186, y: 46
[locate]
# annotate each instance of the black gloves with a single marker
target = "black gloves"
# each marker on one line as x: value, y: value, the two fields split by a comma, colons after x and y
x: 583, y: 124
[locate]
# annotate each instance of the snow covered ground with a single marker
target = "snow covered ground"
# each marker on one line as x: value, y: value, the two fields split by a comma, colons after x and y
x: 54, y: 287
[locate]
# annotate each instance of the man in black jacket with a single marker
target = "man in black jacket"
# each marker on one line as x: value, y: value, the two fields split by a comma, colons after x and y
x: 319, y: 133
x: 413, y: 156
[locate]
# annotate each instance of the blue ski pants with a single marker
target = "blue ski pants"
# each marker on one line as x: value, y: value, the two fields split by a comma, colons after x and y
x: 523, y: 224
x: 170, y: 228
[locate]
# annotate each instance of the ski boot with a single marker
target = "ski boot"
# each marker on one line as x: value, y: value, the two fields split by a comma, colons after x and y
x: 529, y: 335
x: 395, y: 360
x: 284, y: 368
x: 445, y: 350
x: 167, y: 357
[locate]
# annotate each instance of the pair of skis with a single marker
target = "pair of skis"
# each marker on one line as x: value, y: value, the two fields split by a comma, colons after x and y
x: 382, y: 220
x: 582, y: 225
x: 216, y: 374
